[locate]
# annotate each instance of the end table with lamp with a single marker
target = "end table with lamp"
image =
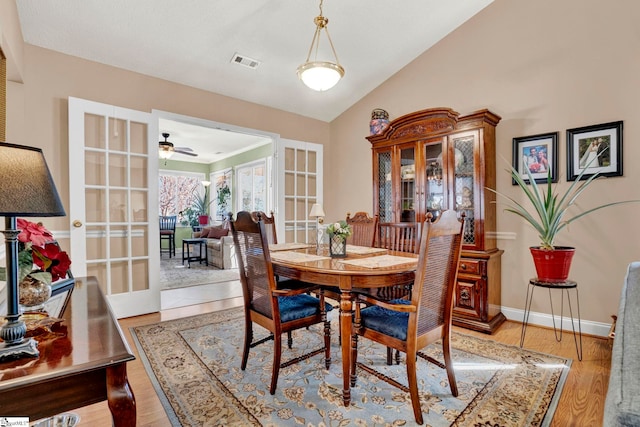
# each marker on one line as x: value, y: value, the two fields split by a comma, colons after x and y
x: 38, y: 199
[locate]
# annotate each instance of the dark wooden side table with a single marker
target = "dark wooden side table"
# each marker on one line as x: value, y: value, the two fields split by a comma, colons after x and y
x: 202, y: 249
x: 564, y: 287
x: 82, y: 362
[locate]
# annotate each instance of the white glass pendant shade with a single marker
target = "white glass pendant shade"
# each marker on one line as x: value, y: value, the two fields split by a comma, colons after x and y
x: 165, y: 153
x: 319, y: 75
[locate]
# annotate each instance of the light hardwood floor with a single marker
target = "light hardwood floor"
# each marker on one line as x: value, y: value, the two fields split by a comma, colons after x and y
x: 581, y: 403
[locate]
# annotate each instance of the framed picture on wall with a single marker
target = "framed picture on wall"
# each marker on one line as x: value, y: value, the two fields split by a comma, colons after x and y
x: 539, y: 154
x: 597, y: 148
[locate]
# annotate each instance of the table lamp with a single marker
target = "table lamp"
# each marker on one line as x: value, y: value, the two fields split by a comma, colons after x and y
x: 317, y: 212
x: 26, y: 190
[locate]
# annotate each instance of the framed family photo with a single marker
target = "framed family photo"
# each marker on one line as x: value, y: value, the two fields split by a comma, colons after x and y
x: 539, y: 154
x: 597, y: 148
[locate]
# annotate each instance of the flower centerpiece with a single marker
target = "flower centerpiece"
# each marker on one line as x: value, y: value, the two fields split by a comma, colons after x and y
x: 40, y: 263
x: 338, y: 233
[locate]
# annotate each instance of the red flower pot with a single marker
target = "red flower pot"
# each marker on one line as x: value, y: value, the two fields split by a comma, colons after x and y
x: 552, y: 265
x: 203, y: 219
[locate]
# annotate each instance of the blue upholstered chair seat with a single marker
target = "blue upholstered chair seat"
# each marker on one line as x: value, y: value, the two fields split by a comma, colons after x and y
x: 388, y: 322
x: 293, y: 307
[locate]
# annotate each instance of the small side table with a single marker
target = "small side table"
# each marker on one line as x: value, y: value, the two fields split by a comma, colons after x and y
x: 563, y: 286
x: 202, y: 249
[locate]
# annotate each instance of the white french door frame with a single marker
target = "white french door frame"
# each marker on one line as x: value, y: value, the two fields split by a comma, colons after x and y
x: 291, y: 220
x: 143, y: 297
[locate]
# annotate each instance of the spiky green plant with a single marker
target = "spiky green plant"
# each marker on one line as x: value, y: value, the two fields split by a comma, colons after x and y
x: 549, y: 206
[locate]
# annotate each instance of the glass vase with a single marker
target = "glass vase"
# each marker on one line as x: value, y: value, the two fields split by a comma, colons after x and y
x: 33, y: 294
x: 337, y: 246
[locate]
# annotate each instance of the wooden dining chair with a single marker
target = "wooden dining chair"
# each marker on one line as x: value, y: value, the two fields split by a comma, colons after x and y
x: 403, y: 237
x: 276, y: 309
x: 408, y: 325
x: 363, y: 229
x: 269, y: 225
x: 399, y: 236
x: 168, y: 232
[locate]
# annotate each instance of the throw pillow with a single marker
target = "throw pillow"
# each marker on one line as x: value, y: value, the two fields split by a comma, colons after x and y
x: 217, y: 232
x: 204, y: 233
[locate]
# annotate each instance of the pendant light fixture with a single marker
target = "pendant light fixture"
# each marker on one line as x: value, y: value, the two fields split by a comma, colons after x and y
x: 320, y: 75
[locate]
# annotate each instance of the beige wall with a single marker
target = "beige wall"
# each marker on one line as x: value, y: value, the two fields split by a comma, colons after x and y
x: 50, y: 78
x: 543, y: 66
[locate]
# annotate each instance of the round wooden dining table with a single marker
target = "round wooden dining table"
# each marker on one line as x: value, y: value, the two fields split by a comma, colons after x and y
x: 362, y: 268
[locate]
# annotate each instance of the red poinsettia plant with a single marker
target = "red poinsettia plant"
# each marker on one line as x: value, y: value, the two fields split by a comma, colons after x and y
x: 39, y: 256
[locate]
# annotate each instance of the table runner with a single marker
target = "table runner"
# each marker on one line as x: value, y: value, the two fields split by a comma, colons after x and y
x: 381, y: 261
x: 364, y: 250
x: 297, y: 257
x: 273, y: 247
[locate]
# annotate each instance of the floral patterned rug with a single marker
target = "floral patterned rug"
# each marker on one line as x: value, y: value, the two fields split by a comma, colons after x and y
x: 195, y: 365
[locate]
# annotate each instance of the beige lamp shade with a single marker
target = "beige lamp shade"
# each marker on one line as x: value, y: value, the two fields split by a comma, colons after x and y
x: 316, y: 211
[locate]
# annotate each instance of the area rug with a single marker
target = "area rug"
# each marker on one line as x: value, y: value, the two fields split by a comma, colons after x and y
x: 174, y: 275
x: 194, y: 364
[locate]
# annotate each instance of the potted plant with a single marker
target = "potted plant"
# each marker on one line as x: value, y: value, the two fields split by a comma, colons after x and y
x: 189, y: 216
x: 548, y: 216
x: 201, y: 206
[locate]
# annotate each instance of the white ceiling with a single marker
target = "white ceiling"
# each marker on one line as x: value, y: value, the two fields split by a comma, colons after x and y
x: 192, y: 42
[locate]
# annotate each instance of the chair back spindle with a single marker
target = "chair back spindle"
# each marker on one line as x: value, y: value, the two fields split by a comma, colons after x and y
x: 363, y: 229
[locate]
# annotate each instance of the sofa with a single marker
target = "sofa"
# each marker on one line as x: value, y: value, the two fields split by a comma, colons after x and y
x: 622, y: 404
x: 221, y: 251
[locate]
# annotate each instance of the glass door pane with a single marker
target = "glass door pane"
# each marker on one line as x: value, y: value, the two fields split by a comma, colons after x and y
x: 385, y: 187
x: 407, y: 184
x: 465, y: 200
x: 435, y: 180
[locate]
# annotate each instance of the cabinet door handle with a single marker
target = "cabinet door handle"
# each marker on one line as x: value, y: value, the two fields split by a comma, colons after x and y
x: 463, y: 266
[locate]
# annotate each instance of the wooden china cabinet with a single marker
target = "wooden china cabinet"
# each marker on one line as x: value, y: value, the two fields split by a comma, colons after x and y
x: 435, y: 159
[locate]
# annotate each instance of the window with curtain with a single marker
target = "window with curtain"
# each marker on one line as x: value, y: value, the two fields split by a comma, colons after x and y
x: 252, y: 186
x: 221, y: 198
x: 177, y: 191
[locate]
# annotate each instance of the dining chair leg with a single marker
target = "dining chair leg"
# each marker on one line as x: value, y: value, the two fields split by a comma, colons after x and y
x: 248, y: 338
x: 277, y: 353
x: 446, y: 350
x: 413, y: 385
x: 289, y: 340
x: 354, y: 359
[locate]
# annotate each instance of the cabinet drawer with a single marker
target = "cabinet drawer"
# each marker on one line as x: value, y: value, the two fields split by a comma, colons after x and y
x: 472, y: 266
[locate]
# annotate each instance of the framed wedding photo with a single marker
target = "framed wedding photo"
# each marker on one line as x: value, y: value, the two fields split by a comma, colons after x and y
x: 539, y: 154
x: 597, y: 148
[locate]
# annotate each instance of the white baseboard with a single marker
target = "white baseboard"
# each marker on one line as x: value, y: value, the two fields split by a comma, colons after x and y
x: 543, y: 319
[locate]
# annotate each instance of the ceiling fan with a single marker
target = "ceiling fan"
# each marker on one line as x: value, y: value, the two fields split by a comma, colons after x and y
x: 166, y: 149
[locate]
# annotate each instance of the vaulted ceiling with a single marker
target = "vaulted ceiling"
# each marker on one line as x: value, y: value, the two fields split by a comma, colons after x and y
x: 192, y: 42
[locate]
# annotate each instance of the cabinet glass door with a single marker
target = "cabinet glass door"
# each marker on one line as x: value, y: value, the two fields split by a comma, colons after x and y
x: 464, y: 197
x: 385, y: 187
x: 435, y: 180
x: 407, y: 185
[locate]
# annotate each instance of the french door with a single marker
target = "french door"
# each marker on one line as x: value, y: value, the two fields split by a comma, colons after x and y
x: 299, y: 185
x: 113, y: 203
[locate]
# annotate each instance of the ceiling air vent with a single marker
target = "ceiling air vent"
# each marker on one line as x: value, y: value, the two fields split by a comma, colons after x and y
x: 245, y: 61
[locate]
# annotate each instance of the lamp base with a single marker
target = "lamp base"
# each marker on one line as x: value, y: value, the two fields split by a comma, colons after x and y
x: 28, y: 347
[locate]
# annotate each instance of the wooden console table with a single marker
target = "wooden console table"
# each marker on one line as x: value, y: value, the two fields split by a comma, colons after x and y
x: 86, y: 365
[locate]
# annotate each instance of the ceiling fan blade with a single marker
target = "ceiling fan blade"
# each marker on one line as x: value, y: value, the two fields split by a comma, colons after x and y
x: 184, y: 149
x: 188, y: 153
